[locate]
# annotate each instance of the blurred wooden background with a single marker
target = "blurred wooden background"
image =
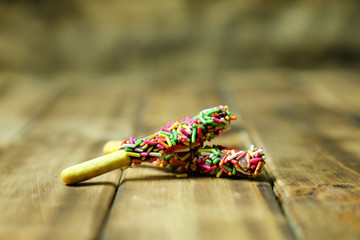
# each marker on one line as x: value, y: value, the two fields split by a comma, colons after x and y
x: 74, y: 74
x: 179, y: 35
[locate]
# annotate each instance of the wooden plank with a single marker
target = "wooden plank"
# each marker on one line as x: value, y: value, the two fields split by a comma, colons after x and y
x: 319, y: 190
x: 34, y: 203
x: 22, y: 98
x: 153, y: 204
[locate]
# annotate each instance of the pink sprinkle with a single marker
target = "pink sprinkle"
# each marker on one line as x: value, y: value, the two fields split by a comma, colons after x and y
x: 199, y: 161
x: 242, y: 155
x: 165, y: 130
x: 222, y: 168
x: 254, y: 160
x: 150, y: 142
x: 204, y: 166
x: 143, y: 154
x: 216, y: 120
x: 220, y: 132
x: 260, y: 147
x: 257, y: 154
x: 184, y: 132
x: 193, y: 121
x: 188, y: 121
x: 131, y: 140
x: 183, y: 137
x: 160, y: 146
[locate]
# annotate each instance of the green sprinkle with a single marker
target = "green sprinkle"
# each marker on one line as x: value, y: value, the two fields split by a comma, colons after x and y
x: 227, y: 168
x: 175, y: 134
x: 202, y: 119
x: 215, y: 161
x: 165, y: 133
x: 213, y: 111
x: 128, y: 149
x: 208, y: 161
x: 171, y: 165
x: 167, y: 158
x: 172, y: 141
x: 138, y: 142
x: 228, y: 112
x: 193, y: 136
x: 209, y: 121
x: 215, y: 152
x: 234, y: 171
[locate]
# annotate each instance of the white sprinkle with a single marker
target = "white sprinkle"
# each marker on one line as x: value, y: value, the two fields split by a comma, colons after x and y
x: 252, y: 147
x: 155, y: 154
x: 205, y: 153
x: 254, y: 153
x: 211, y: 155
x: 183, y: 149
x: 234, y: 155
x: 128, y: 145
x: 195, y: 160
x: 138, y: 149
x: 188, y: 131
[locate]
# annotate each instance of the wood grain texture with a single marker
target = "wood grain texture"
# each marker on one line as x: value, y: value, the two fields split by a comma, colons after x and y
x: 307, y: 122
x: 35, y: 204
x: 153, y: 204
x: 22, y: 99
x: 312, y: 149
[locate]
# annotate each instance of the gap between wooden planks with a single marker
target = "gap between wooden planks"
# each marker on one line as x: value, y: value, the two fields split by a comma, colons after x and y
x: 153, y: 204
x: 313, y: 149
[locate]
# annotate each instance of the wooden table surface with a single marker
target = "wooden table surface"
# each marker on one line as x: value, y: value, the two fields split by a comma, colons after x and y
x: 307, y: 121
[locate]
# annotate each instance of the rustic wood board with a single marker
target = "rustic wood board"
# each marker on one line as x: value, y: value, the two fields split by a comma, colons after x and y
x: 35, y: 204
x: 22, y: 99
x: 153, y: 204
x: 313, y: 151
x: 307, y: 122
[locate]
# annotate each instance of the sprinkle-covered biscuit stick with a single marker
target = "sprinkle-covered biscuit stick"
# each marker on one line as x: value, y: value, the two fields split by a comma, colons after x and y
x: 214, y: 160
x: 181, y: 135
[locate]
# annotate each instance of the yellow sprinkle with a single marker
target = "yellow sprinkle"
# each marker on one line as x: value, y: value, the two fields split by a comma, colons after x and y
x: 205, y: 150
x: 173, y: 126
x: 183, y: 175
x: 168, y: 141
x: 186, y: 156
x: 219, y: 173
x: 132, y: 154
x: 180, y: 167
x: 162, y: 165
x: 187, y: 164
x: 163, y: 135
x: 161, y: 151
x: 186, y: 126
x: 186, y: 143
x: 227, y: 118
x: 226, y: 107
x: 150, y: 149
